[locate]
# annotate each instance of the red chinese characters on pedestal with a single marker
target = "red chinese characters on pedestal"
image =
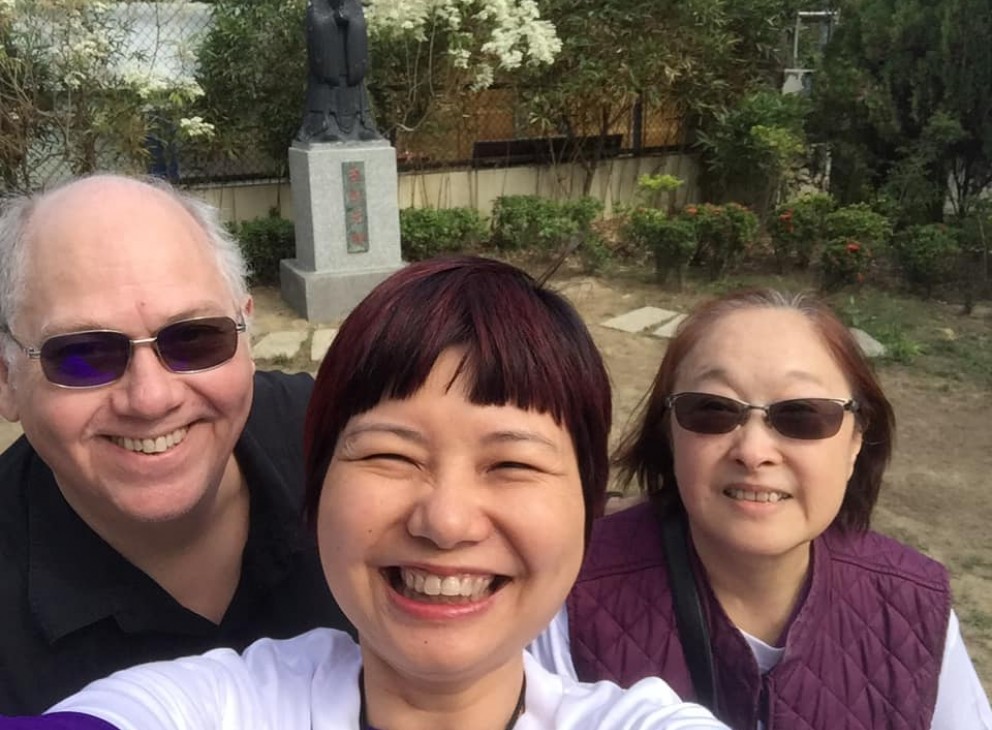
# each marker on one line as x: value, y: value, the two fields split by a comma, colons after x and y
x: 355, y: 210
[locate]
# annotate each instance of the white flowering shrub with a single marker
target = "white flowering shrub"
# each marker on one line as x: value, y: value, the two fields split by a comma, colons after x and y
x: 482, y: 36
x: 83, y: 39
x: 86, y: 85
x: 164, y: 104
x: 193, y: 127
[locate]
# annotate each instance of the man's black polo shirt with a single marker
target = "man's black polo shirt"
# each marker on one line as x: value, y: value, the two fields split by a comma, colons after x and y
x: 72, y: 609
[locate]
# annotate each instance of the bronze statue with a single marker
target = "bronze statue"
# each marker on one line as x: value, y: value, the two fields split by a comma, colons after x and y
x: 337, y: 104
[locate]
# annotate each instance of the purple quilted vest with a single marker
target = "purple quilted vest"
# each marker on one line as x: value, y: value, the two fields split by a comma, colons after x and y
x: 863, y: 652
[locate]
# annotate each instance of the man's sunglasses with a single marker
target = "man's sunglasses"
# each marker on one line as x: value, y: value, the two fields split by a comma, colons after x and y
x: 99, y: 357
x: 798, y: 418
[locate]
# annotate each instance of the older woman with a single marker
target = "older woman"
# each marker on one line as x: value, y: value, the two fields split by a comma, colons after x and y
x: 456, y: 454
x: 750, y: 580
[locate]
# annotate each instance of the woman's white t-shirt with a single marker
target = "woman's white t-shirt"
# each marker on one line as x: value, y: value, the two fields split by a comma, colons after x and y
x: 310, y: 682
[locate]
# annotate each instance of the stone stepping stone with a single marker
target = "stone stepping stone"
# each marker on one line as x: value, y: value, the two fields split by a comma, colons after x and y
x: 322, y: 340
x: 640, y: 319
x: 667, y: 330
x: 279, y: 345
x: 868, y: 344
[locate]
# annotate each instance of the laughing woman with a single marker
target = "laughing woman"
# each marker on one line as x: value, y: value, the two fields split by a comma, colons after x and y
x: 456, y: 454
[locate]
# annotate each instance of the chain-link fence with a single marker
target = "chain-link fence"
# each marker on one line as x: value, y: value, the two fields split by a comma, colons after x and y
x: 90, y: 85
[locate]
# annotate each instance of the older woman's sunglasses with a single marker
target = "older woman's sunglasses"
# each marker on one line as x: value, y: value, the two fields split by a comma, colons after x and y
x: 797, y: 418
x: 99, y: 357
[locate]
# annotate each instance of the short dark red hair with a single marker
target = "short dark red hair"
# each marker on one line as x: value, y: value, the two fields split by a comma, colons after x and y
x: 524, y: 345
x: 645, y: 454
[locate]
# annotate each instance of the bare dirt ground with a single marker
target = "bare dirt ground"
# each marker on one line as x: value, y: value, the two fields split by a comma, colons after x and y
x: 938, y: 491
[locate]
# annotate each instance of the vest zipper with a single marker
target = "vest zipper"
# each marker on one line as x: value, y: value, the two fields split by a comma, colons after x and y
x: 764, y: 705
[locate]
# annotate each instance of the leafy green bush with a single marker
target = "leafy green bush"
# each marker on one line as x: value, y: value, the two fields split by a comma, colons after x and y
x: 976, y: 227
x: 583, y: 211
x: 928, y: 255
x: 265, y: 242
x: 592, y: 248
x: 427, y: 232
x: 527, y: 221
x: 854, y: 233
x: 858, y: 222
x: 844, y: 261
x: 799, y: 228
x: 976, y: 252
x: 672, y: 239
x: 754, y: 148
x: 723, y: 233
x: 650, y: 189
x: 530, y: 222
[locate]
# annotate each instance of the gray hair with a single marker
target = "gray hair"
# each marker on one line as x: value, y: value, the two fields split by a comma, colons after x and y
x: 15, y: 220
x: 803, y: 302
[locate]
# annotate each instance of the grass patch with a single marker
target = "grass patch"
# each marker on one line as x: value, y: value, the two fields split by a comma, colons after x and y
x: 968, y: 355
x: 978, y: 620
x: 907, y: 537
x: 975, y: 563
x: 933, y: 337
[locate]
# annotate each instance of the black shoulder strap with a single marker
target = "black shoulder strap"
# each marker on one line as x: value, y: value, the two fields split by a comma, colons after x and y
x: 688, y: 612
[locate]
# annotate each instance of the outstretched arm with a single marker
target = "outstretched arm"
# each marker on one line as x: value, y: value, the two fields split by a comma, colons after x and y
x: 207, y: 692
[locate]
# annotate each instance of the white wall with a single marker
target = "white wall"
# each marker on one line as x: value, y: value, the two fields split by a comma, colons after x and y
x: 614, y: 181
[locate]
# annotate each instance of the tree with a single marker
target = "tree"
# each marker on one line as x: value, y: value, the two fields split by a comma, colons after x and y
x: 252, y: 68
x: 905, y: 99
x: 753, y: 150
x: 21, y: 113
x: 694, y: 58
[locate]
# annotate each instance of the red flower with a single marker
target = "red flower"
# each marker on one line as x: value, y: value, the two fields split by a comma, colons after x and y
x: 853, y: 246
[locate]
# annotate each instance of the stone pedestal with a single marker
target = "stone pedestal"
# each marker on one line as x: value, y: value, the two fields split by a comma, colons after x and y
x: 346, y: 213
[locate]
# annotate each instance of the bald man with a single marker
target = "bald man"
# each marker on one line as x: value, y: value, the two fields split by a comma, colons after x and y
x: 152, y: 507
